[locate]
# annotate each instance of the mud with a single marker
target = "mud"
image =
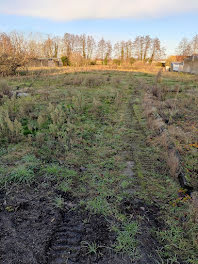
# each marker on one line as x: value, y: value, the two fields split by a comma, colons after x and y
x: 27, y: 222
x: 148, y: 217
x: 34, y: 231
x: 76, y: 234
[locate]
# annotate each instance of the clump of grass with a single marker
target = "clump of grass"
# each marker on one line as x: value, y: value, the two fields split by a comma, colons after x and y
x: 59, y: 202
x: 99, y: 205
x: 94, y: 80
x: 54, y: 171
x: 92, y: 248
x: 194, y: 208
x: 156, y: 124
x: 126, y: 240
x: 21, y: 174
x: 173, y: 163
x: 75, y: 80
x: 66, y: 185
x: 11, y: 131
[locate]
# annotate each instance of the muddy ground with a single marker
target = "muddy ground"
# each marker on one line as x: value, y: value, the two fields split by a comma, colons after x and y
x: 34, y: 231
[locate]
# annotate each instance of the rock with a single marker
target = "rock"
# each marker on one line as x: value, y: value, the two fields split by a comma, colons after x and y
x: 82, y: 169
x: 18, y: 94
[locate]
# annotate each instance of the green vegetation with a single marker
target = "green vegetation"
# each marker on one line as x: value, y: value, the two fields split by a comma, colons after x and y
x: 180, y: 227
x: 75, y: 134
x: 126, y: 240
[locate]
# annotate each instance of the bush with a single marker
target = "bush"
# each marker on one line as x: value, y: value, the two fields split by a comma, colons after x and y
x: 117, y: 62
x: 5, y: 89
x: 92, y: 62
x: 66, y: 61
x: 132, y: 61
x: 9, y: 64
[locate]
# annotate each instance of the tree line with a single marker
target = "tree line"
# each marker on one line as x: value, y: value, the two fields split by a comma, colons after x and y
x: 78, y: 50
x: 188, y: 47
x: 16, y: 49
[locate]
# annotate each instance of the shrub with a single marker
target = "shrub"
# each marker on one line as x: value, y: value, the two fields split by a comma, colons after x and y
x: 117, y: 62
x: 10, y: 63
x: 66, y: 61
x: 92, y: 62
x: 5, y: 90
x: 12, y: 131
x: 132, y: 61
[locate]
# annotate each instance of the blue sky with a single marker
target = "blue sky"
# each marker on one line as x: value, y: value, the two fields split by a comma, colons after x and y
x: 51, y: 17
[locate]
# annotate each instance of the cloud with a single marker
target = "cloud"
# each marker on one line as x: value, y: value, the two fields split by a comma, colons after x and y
x: 65, y: 10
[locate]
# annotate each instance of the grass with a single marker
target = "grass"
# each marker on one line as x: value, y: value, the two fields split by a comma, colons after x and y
x: 59, y: 202
x: 92, y: 248
x: 75, y: 133
x: 156, y: 184
x: 126, y: 240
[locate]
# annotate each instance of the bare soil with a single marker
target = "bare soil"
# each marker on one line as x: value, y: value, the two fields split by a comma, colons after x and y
x: 34, y: 231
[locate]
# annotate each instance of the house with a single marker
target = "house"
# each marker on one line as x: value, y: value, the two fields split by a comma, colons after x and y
x: 45, y: 62
x: 177, y: 66
x: 191, y: 64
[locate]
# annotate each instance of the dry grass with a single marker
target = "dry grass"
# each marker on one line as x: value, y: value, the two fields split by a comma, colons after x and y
x: 156, y: 124
x: 46, y: 71
x: 94, y: 80
x: 194, y: 208
x: 179, y: 135
x: 173, y: 163
x: 162, y: 140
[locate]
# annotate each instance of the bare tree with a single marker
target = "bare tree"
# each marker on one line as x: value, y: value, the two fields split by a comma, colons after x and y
x: 101, y: 49
x: 156, y: 50
x: 81, y: 49
x: 12, y: 52
x: 195, y: 44
x: 184, y: 48
x: 147, y: 46
x: 91, y: 45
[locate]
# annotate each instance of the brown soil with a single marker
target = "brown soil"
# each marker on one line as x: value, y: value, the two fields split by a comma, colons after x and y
x: 34, y: 231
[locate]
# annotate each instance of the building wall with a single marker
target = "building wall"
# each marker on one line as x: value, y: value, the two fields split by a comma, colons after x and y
x: 176, y: 66
x: 191, y: 65
x: 44, y: 63
x: 195, y: 66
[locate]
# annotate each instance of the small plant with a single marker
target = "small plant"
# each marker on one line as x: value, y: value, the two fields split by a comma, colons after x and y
x: 10, y: 130
x: 21, y: 174
x: 65, y: 186
x: 92, y: 247
x: 59, y: 202
x: 158, y: 76
x: 126, y: 239
x: 99, y: 205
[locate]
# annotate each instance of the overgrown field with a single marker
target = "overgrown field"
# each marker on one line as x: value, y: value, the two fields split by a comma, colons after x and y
x: 86, y: 170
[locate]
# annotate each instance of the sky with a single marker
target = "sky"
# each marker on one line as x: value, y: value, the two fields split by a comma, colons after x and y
x: 170, y: 20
